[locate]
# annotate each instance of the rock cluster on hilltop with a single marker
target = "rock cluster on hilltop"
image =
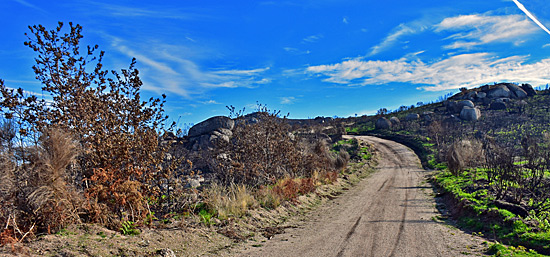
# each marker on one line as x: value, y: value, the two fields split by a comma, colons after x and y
x: 495, y: 96
x: 466, y: 109
x: 489, y: 93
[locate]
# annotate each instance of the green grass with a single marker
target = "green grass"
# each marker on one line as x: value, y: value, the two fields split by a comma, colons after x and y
x: 498, y: 249
x: 506, y: 226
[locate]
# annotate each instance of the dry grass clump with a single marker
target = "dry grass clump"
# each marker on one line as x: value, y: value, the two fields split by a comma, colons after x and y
x: 231, y: 201
x: 35, y: 195
x: 53, y: 201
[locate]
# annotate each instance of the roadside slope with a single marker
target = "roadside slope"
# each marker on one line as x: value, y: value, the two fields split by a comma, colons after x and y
x: 388, y: 214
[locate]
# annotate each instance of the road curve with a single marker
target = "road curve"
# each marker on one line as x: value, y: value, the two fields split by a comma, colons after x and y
x: 388, y: 214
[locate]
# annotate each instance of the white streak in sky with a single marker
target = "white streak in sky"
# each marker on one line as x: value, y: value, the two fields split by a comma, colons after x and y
x: 531, y: 16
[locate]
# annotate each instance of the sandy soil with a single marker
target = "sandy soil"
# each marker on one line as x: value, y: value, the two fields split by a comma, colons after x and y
x: 390, y: 213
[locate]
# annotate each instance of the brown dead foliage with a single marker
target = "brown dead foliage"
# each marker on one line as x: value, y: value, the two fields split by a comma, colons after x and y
x: 89, y: 151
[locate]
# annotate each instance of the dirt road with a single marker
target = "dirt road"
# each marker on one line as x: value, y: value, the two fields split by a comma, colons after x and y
x: 388, y: 214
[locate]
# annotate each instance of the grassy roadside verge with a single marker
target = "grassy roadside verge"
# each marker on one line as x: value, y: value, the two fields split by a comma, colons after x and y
x: 475, y: 210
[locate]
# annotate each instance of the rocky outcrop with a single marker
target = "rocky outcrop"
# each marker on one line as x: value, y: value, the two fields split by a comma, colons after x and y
x: 488, y: 93
x: 428, y: 116
x: 499, y: 92
x: 456, y: 106
x: 470, y: 114
x: 382, y: 123
x: 517, y: 92
x: 207, y: 133
x: 210, y: 125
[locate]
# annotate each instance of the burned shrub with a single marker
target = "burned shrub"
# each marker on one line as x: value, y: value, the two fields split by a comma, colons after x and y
x: 463, y: 154
x: 264, y: 148
x: 258, y: 153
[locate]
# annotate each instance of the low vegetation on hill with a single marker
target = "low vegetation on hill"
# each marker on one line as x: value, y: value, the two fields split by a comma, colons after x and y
x: 494, y: 167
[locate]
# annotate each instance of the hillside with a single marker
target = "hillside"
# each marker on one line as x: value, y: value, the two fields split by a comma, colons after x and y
x: 492, y: 146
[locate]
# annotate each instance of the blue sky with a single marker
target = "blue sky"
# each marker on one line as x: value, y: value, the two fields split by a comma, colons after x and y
x: 308, y: 58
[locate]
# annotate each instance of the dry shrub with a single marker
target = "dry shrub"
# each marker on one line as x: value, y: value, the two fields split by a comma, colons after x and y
x: 114, y: 197
x: 288, y: 189
x: 307, y: 185
x: 259, y: 153
x: 318, y: 160
x: 330, y: 177
x: 463, y: 154
x: 232, y: 201
x: 341, y: 160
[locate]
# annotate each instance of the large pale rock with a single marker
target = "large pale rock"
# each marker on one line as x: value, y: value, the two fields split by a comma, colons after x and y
x: 412, y: 116
x: 517, y: 91
x: 395, y: 121
x: 464, y: 103
x: 382, y: 123
x: 456, y: 107
x: 469, y: 113
x: 499, y: 91
x: 210, y: 125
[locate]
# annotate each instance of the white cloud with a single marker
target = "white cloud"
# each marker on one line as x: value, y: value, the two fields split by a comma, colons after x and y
x: 312, y: 39
x: 210, y: 102
x: 165, y: 69
x: 296, y: 50
x: 291, y: 49
x: 477, y: 29
x: 400, y: 31
x: 345, y: 20
x: 288, y: 100
x: 242, y: 72
x: 466, y: 70
x: 545, y: 46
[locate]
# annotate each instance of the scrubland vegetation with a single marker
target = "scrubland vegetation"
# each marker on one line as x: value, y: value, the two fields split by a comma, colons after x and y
x: 91, y: 150
x: 494, y: 173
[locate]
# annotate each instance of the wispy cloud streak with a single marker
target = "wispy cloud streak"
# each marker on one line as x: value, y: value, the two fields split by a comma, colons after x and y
x: 165, y: 70
x: 27, y: 4
x: 478, y: 29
